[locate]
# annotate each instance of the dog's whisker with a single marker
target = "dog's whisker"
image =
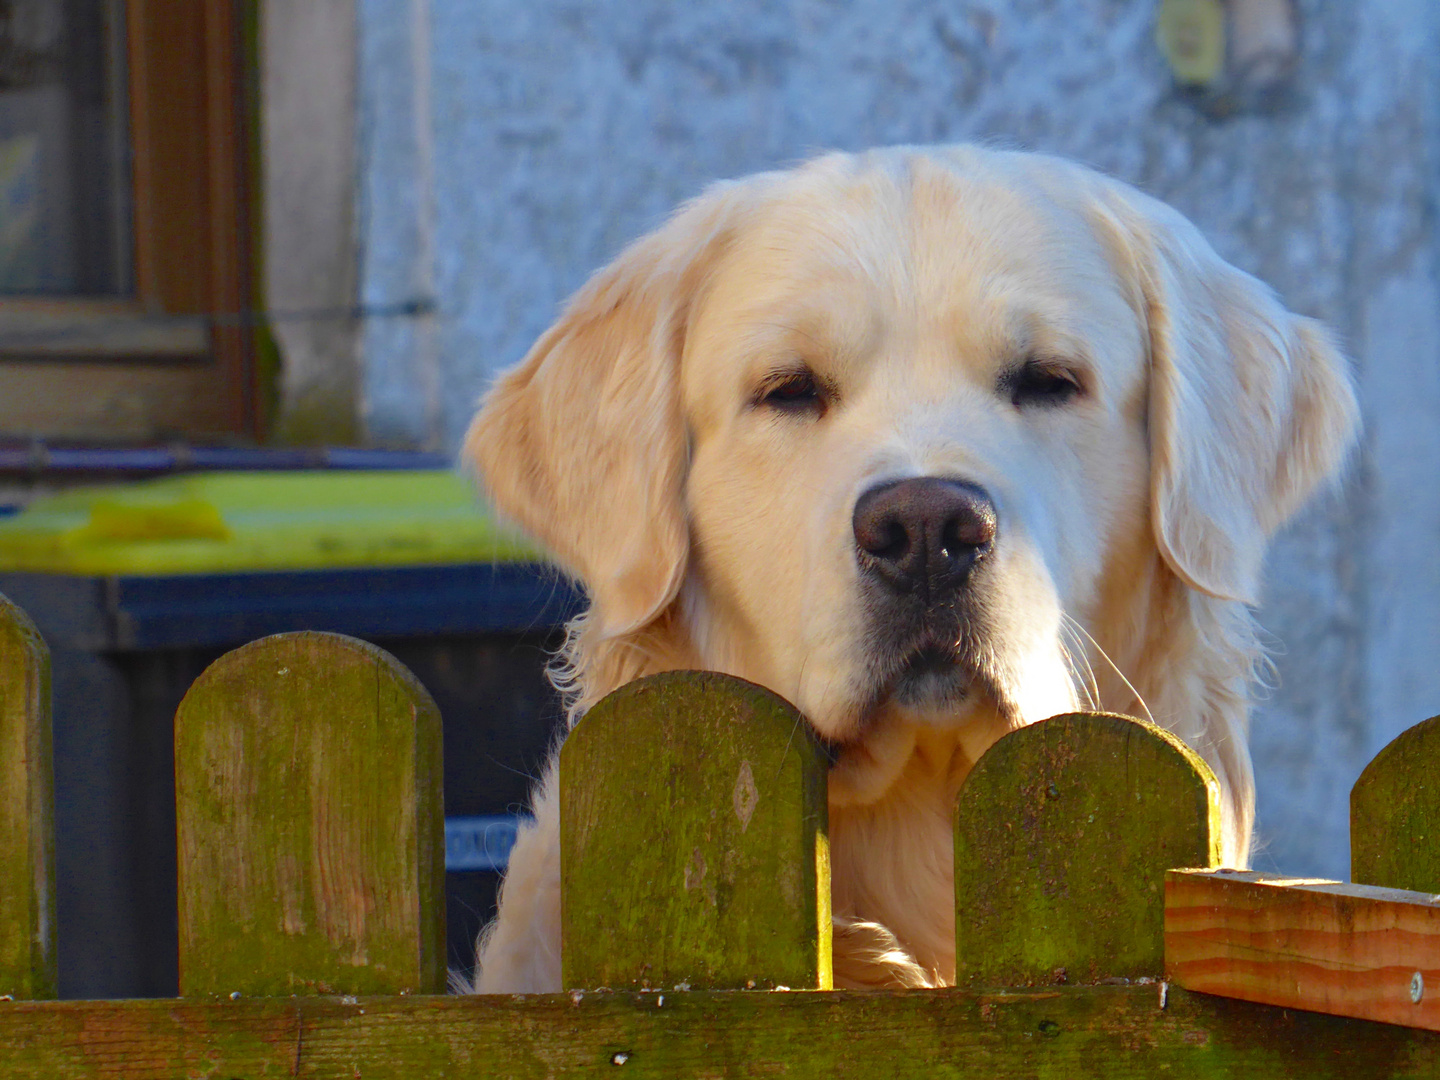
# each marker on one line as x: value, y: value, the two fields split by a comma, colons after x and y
x: 1115, y: 668
x: 1089, y: 684
x: 1072, y: 668
x: 788, y: 743
x: 524, y: 774
x: 1092, y: 688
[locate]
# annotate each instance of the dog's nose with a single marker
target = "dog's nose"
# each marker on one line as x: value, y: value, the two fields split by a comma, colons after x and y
x: 924, y: 533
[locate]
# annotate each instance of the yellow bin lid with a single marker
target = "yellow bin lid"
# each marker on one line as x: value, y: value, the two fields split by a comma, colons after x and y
x: 235, y: 521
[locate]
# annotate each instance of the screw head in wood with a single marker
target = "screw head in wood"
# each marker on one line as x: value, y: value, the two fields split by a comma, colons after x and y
x: 1417, y: 987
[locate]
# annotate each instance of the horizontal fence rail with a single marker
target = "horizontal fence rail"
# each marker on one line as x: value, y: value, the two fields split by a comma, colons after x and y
x: 1070, y: 1033
x: 1348, y: 950
x: 695, y: 856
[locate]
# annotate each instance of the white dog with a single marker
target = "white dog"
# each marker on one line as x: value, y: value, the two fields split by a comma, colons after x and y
x: 934, y: 443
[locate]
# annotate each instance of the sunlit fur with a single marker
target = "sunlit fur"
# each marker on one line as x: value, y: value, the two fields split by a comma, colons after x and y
x: 714, y: 531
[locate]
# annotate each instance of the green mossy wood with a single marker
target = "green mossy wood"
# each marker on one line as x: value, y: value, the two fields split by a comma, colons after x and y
x: 27, y: 811
x: 693, y: 840
x: 1395, y: 814
x: 1063, y: 834
x: 1061, y: 1033
x: 310, y: 823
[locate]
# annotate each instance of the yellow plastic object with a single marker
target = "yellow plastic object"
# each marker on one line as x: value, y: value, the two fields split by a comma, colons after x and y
x: 216, y: 522
x: 1191, y: 34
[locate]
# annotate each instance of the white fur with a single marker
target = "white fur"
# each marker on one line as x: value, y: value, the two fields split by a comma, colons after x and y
x: 713, y: 532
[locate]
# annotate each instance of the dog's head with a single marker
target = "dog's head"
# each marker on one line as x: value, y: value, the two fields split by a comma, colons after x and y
x: 886, y: 432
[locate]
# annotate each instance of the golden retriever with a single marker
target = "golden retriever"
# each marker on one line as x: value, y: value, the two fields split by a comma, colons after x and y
x: 934, y: 443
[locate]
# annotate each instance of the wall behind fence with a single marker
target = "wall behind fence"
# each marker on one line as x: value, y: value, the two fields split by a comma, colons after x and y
x: 509, y: 151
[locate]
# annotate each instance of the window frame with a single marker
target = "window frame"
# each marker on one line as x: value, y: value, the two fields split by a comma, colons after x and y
x: 183, y: 342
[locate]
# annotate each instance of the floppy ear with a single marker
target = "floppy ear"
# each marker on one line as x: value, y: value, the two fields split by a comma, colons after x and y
x: 1250, y: 407
x: 583, y: 444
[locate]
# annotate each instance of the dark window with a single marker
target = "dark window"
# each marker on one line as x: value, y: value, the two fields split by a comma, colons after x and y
x: 65, y: 189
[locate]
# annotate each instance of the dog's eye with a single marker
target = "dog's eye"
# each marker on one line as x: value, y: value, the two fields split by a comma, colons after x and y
x: 1037, y: 383
x: 792, y: 392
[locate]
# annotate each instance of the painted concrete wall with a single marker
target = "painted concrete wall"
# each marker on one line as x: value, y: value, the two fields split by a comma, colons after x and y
x: 509, y: 150
x: 307, y: 93
x: 397, y: 126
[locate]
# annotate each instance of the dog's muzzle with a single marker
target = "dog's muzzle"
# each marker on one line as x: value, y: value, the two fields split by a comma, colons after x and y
x: 918, y: 544
x: 921, y: 538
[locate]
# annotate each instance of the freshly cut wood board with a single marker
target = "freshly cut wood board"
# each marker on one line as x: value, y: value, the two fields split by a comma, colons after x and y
x: 1303, y: 943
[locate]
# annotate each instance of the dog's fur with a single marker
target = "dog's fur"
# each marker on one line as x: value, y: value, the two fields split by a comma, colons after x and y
x: 692, y: 436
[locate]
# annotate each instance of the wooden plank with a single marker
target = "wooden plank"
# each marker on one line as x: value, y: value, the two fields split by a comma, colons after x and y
x: 1395, y: 814
x: 1073, y: 1032
x: 694, y: 851
x: 310, y: 823
x: 89, y: 328
x: 192, y: 203
x: 1063, y: 834
x: 1347, y: 950
x: 27, y: 811
x: 132, y: 400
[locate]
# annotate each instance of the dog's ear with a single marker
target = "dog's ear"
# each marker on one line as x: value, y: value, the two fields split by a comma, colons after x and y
x: 1250, y: 407
x: 582, y: 443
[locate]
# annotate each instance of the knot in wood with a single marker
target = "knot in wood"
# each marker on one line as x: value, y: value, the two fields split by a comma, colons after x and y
x: 746, y: 795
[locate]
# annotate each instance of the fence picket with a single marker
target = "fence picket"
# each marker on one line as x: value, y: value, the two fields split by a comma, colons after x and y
x: 694, y: 851
x: 1395, y: 814
x: 693, y: 840
x: 27, y: 811
x: 310, y: 824
x: 1063, y: 834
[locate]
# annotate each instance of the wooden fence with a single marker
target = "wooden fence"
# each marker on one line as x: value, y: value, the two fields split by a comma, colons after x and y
x: 696, y: 901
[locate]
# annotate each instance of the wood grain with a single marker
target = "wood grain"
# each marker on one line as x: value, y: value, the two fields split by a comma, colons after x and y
x: 693, y: 818
x: 1395, y: 813
x: 27, y: 811
x: 1063, y: 833
x: 310, y: 824
x: 1075, y: 1033
x: 1346, y: 950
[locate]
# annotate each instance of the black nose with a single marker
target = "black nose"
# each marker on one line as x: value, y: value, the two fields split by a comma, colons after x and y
x: 924, y: 534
